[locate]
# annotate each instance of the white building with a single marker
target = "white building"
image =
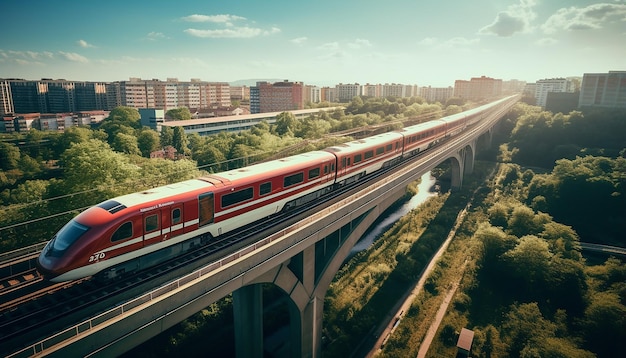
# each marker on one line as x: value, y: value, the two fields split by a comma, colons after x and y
x: 550, y: 85
x: 345, y: 92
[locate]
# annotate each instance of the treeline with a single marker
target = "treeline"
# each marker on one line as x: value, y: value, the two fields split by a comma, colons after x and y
x: 531, y: 293
x: 48, y: 177
x: 585, y: 152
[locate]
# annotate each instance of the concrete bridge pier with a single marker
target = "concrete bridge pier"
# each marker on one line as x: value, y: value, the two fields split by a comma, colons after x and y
x: 461, y: 164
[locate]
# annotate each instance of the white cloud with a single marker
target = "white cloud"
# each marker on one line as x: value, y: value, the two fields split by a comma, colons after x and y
x: 428, y: 41
x: 84, y: 44
x: 299, y: 40
x: 74, y: 57
x: 546, y: 41
x: 359, y: 43
x: 517, y: 18
x: 154, y: 36
x: 586, y: 18
x: 224, y: 18
x: 236, y: 32
x: 329, y: 46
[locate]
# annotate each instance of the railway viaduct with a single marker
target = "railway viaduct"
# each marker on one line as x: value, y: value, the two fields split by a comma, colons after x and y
x: 301, y: 259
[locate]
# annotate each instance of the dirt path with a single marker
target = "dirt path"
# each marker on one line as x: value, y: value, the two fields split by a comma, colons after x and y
x: 384, y: 331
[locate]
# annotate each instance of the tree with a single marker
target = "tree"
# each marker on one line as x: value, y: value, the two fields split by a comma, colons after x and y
x: 9, y: 156
x: 286, y: 123
x: 180, y: 113
x: 127, y: 115
x: 89, y: 165
x: 148, y: 141
x: 180, y: 142
x: 167, y: 136
x: 530, y: 261
x: 524, y: 326
x: 126, y: 143
x: 605, y: 324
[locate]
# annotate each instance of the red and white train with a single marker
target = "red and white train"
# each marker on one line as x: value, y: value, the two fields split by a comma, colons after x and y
x: 135, y: 231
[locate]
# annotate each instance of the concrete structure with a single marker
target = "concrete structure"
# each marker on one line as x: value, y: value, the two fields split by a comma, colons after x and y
x: 51, y: 96
x: 436, y: 94
x: 370, y: 90
x: 464, y: 343
x: 346, y: 92
x: 478, y: 88
x: 550, y: 85
x: 301, y: 257
x: 208, y: 126
x: 606, y: 90
x: 278, y: 96
x: 170, y: 94
x: 312, y: 94
x: 152, y: 118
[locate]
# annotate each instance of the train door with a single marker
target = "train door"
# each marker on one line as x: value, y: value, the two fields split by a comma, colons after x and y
x: 176, y: 220
x: 166, y: 223
x: 151, y: 227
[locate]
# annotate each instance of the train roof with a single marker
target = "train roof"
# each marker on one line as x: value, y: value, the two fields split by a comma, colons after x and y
x: 365, y: 143
x: 154, y: 194
x: 422, y: 126
x: 271, y: 168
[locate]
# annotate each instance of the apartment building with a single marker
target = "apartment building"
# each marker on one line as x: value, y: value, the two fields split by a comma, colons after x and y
x: 543, y: 87
x: 478, y: 88
x: 436, y: 94
x: 345, y: 92
x: 603, y: 90
x: 276, y: 97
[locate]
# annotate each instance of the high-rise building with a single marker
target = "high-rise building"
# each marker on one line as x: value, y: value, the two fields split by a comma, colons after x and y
x: 551, y: 85
x: 478, y: 88
x: 436, y: 94
x: 603, y: 90
x: 276, y: 97
x: 345, y: 92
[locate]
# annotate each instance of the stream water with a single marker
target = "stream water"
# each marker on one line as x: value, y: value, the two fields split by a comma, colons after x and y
x: 425, y: 191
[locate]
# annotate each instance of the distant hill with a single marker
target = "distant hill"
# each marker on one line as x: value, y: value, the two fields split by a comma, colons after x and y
x: 252, y: 82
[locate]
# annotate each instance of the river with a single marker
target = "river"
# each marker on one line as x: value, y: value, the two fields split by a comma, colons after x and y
x: 425, y: 191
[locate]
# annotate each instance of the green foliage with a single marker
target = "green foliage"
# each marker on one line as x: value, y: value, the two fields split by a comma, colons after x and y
x: 147, y: 142
x: 179, y: 114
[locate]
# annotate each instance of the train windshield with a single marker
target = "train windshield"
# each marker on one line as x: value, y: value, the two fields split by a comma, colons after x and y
x: 67, y: 236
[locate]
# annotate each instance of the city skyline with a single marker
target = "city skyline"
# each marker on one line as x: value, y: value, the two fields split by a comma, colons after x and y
x: 323, y: 44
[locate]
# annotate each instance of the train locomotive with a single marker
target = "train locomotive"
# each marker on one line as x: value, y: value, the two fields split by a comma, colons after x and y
x: 138, y: 230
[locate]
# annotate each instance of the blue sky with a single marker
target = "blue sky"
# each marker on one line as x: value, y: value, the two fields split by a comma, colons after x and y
x: 318, y: 42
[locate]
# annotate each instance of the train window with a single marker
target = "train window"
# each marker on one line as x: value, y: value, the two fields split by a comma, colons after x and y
x: 349, y: 161
x: 293, y: 179
x: 332, y: 167
x: 326, y: 169
x: 176, y: 216
x: 343, y: 162
x: 237, y: 197
x: 357, y: 158
x: 380, y: 150
x: 369, y: 154
x: 265, y: 188
x: 123, y: 232
x: 314, y: 173
x: 151, y: 223
x: 390, y: 147
x: 397, y: 145
x: 205, y: 208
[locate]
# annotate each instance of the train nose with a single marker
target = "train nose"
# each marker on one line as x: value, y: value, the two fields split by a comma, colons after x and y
x: 45, y: 267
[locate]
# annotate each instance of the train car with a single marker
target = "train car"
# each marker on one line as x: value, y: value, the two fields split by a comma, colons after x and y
x: 422, y: 136
x: 137, y: 230
x: 358, y: 158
